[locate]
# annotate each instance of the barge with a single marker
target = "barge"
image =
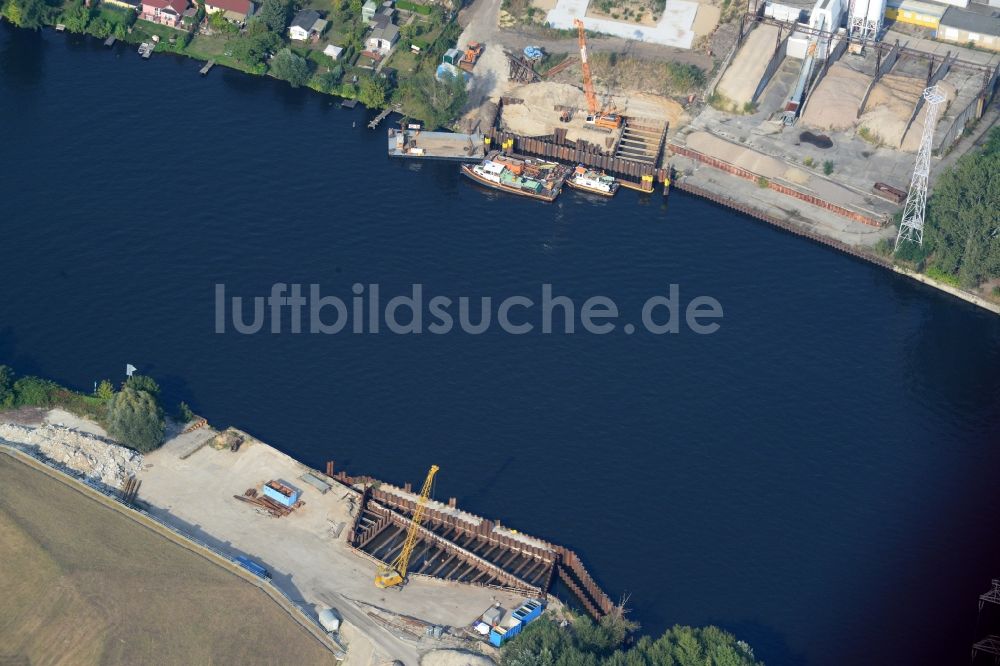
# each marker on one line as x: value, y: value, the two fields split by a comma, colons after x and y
x: 516, y: 174
x: 595, y: 182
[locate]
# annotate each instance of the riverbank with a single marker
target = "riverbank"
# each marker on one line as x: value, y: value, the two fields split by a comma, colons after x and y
x: 188, y: 486
x: 820, y: 227
x: 834, y: 230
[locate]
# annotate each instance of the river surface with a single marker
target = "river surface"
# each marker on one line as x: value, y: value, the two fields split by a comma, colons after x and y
x: 819, y: 476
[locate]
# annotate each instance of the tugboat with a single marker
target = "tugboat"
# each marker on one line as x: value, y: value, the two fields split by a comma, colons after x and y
x: 588, y: 180
x: 520, y: 175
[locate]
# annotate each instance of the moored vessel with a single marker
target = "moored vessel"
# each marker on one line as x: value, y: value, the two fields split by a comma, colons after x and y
x: 595, y: 182
x: 516, y: 174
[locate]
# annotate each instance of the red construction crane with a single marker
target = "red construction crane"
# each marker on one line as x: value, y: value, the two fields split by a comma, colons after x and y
x: 605, y: 118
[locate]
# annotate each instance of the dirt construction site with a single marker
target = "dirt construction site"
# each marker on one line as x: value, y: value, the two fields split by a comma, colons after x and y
x: 320, y: 551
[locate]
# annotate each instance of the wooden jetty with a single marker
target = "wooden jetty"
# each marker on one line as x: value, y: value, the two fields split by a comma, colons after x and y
x: 60, y: 27
x: 109, y: 42
x: 382, y: 116
x: 208, y: 66
x: 146, y: 49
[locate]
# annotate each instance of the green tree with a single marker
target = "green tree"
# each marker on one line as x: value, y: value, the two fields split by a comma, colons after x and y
x: 76, y: 17
x: 290, y: 67
x: 144, y: 383
x: 135, y: 419
x: 184, y: 411
x: 105, y: 391
x: 330, y: 79
x: 962, y: 231
x: 435, y: 102
x: 99, y: 28
x: 584, y: 643
x: 372, y: 92
x: 275, y: 15
x: 33, y: 392
x: 6, y: 387
x: 26, y: 13
x: 252, y: 47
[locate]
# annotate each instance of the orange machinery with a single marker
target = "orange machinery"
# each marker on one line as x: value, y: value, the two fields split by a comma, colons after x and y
x: 472, y: 52
x: 606, y: 117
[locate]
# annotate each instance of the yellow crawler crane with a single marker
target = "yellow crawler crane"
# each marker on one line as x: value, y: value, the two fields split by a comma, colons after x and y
x: 390, y: 575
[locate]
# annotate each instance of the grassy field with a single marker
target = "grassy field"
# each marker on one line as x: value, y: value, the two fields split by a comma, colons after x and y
x: 83, y: 584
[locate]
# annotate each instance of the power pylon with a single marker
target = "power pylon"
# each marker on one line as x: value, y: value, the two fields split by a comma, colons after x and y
x: 911, y: 227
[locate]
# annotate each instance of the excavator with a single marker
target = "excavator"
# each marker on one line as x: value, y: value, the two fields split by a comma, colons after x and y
x: 605, y: 118
x: 393, y: 574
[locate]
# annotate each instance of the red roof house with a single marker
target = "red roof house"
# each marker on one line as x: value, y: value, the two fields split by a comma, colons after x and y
x: 164, y: 12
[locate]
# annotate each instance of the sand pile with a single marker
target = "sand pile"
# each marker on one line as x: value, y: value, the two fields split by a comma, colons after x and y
x: 88, y: 454
x: 535, y: 116
x: 745, y: 158
x: 890, y: 106
x: 740, y: 80
x: 834, y: 104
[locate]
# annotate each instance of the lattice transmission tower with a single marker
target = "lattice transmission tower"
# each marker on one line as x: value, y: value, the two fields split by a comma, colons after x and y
x: 911, y: 227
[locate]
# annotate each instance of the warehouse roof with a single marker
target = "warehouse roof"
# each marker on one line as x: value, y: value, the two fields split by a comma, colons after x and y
x: 978, y: 18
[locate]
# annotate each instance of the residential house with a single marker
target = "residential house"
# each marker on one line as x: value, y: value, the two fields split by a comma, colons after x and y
x: 306, y: 25
x: 383, y: 17
x: 236, y: 11
x: 978, y: 25
x: 164, y: 12
x: 381, y: 39
x: 368, y: 10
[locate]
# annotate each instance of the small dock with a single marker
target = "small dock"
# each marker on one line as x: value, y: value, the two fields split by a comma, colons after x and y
x: 382, y: 116
x: 449, y: 146
x: 146, y: 49
x: 208, y: 66
x: 109, y: 42
x: 60, y: 27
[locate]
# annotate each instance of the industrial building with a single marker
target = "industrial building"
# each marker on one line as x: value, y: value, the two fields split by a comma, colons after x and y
x: 915, y: 12
x: 978, y: 25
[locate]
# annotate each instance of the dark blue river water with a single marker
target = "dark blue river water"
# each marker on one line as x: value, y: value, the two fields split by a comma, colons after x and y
x: 818, y: 476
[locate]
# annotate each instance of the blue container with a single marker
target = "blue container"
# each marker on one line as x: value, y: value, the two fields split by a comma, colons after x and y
x: 253, y: 567
x: 283, y: 495
x: 527, y: 612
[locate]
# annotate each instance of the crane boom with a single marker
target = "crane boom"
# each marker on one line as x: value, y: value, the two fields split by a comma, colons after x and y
x: 393, y: 574
x: 606, y: 118
x: 588, y: 83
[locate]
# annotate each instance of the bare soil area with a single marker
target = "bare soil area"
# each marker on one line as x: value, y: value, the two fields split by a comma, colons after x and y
x: 84, y: 584
x: 741, y: 79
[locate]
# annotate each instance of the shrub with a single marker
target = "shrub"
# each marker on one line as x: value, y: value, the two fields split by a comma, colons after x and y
x: 143, y: 383
x: 33, y: 392
x: 185, y: 412
x: 135, y: 419
x: 105, y: 391
x: 6, y: 387
x: 762, y: 182
x: 809, y: 162
x: 828, y: 167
